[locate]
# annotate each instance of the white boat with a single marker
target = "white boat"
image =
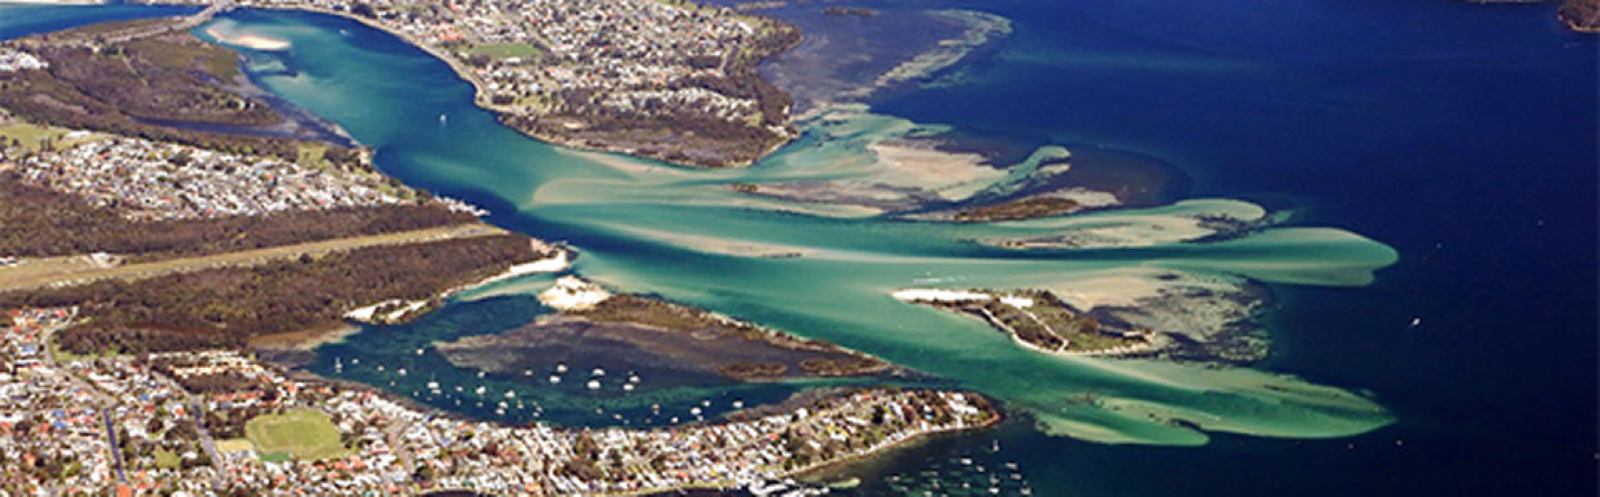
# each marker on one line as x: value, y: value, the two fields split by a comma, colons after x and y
x: 555, y: 379
x: 594, y: 384
x: 561, y: 367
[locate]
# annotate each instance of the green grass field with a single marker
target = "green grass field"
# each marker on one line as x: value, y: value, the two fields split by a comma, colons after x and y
x: 30, y: 136
x: 166, y: 459
x: 506, y: 50
x: 301, y: 434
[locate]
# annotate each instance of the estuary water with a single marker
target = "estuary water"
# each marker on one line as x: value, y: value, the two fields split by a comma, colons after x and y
x: 1451, y: 144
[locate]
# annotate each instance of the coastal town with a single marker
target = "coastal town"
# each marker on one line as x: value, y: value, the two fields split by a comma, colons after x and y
x: 13, y: 60
x: 216, y: 421
x: 665, y: 79
x: 149, y: 181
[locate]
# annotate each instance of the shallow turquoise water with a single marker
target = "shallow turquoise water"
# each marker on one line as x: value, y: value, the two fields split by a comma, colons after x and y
x: 1460, y: 134
x: 683, y: 234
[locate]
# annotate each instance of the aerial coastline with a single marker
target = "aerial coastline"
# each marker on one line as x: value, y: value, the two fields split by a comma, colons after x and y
x: 181, y: 316
x: 724, y: 114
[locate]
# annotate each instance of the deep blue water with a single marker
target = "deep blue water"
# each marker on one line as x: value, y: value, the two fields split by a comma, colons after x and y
x: 1462, y: 135
x: 23, y: 20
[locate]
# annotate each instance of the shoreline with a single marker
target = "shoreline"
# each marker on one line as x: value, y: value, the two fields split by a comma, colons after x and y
x: 412, y: 310
x: 481, y: 99
x: 951, y: 300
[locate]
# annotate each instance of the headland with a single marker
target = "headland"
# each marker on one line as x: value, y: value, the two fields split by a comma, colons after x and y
x: 674, y: 81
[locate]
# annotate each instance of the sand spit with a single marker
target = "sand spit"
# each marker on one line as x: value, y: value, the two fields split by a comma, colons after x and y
x: 981, y: 28
x: 572, y: 293
x: 225, y: 33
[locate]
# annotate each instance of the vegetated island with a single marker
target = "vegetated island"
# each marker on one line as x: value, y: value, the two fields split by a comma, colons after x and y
x: 670, y: 80
x: 1581, y: 15
x: 693, y: 344
x: 172, y: 238
x: 1040, y: 320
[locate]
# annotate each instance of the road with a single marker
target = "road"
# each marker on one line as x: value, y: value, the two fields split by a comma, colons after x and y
x: 394, y: 436
x: 103, y: 402
x: 186, y: 24
x: 21, y: 277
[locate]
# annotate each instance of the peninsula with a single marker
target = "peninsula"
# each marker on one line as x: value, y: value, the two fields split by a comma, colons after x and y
x: 595, y: 326
x: 670, y: 80
x: 170, y: 238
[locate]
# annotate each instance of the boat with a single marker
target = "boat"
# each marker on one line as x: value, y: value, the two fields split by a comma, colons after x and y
x: 555, y: 379
x: 594, y: 384
x: 847, y: 483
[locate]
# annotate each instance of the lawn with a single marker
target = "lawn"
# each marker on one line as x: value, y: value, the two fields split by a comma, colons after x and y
x: 30, y: 136
x: 234, y: 445
x: 301, y: 434
x: 166, y: 459
x: 506, y: 50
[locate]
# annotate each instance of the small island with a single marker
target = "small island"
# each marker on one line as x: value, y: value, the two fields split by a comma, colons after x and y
x: 1200, y: 322
x: 1039, y: 320
x: 1582, y: 16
